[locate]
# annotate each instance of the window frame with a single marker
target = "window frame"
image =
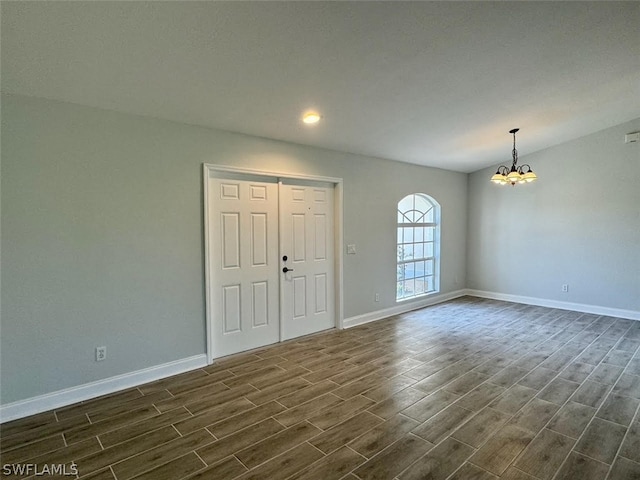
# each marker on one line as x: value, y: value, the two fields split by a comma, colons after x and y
x: 402, y: 242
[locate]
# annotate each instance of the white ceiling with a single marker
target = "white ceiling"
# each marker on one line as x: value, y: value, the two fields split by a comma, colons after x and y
x: 432, y: 83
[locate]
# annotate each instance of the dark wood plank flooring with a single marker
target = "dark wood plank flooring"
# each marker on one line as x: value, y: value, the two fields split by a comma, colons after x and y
x: 468, y: 389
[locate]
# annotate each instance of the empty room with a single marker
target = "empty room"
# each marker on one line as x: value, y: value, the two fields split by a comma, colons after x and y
x: 320, y: 240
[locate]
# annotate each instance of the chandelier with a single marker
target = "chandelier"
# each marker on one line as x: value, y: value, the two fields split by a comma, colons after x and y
x: 516, y: 174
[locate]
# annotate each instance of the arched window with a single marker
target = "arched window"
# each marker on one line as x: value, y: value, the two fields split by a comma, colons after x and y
x: 418, y: 246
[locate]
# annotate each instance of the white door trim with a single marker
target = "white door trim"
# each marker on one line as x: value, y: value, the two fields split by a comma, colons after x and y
x: 338, y: 240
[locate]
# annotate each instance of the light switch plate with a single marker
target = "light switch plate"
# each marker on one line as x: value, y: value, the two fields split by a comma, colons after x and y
x: 351, y: 249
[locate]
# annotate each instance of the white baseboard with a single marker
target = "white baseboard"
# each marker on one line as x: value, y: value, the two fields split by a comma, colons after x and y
x: 403, y: 307
x: 543, y: 302
x: 68, y: 396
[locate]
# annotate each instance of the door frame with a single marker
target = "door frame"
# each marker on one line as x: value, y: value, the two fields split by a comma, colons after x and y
x: 207, y: 169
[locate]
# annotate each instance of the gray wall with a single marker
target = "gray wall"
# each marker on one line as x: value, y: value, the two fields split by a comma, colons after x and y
x: 578, y: 225
x: 102, y: 236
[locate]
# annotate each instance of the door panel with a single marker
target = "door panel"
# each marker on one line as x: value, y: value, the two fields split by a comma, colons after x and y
x: 231, y: 309
x: 244, y: 263
x: 321, y: 293
x: 320, y: 242
x: 306, y: 238
x: 230, y: 240
x: 260, y: 304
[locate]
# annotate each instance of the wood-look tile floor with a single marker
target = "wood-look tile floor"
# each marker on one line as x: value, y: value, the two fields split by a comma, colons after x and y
x: 469, y: 389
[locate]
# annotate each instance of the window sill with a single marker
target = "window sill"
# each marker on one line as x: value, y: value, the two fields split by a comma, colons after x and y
x: 402, y: 300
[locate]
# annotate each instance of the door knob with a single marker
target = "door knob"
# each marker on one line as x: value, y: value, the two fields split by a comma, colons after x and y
x: 285, y: 270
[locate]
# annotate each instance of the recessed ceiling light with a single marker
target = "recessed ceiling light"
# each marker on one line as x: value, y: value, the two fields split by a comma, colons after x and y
x: 311, y: 117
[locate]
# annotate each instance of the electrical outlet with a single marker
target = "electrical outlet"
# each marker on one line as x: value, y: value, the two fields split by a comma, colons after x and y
x: 101, y: 354
x: 377, y: 297
x: 565, y: 288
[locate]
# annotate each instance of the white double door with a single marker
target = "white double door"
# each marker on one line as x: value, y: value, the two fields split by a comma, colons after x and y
x: 271, y: 254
